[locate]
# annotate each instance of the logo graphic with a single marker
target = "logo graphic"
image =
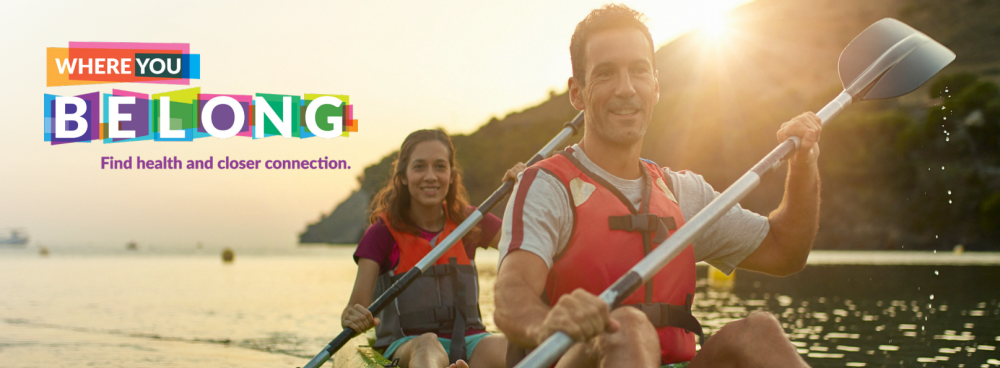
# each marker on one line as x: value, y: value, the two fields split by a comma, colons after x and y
x: 182, y: 115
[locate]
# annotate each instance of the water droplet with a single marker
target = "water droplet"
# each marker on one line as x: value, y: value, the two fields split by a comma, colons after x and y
x: 945, y: 89
x: 942, y: 167
x: 942, y: 107
x: 949, y: 192
x: 935, y: 271
x: 946, y: 139
x: 935, y: 236
x: 945, y: 118
x: 932, y: 296
x: 949, y: 201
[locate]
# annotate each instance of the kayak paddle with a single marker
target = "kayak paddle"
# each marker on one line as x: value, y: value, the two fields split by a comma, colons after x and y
x: 447, y: 243
x: 888, y: 59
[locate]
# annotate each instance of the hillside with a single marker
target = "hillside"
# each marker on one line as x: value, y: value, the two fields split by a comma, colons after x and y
x: 723, y: 99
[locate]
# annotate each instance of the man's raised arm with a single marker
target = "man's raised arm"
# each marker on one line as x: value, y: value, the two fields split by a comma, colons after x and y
x: 796, y: 220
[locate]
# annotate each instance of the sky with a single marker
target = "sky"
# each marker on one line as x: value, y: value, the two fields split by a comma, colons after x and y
x: 406, y: 66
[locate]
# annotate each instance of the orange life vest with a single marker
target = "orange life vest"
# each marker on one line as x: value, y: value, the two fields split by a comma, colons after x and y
x: 413, y: 248
x: 435, y: 300
x: 610, y: 236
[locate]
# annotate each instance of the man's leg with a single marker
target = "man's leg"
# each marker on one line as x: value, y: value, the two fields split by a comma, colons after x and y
x: 422, y: 352
x: 755, y: 341
x: 635, y: 344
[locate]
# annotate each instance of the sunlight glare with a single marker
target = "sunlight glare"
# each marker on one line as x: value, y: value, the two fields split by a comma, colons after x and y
x: 715, y: 28
x: 670, y: 19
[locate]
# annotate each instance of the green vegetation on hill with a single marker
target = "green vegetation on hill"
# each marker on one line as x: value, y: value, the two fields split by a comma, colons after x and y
x: 722, y: 101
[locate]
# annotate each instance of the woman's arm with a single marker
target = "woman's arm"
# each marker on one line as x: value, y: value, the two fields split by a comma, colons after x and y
x: 356, y: 314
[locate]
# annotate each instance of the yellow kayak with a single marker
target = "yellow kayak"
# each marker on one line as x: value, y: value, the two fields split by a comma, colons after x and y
x: 359, y: 353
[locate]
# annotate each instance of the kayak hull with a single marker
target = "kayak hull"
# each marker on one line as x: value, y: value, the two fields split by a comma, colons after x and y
x: 359, y: 353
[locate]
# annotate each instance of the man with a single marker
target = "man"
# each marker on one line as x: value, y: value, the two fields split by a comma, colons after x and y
x: 581, y: 219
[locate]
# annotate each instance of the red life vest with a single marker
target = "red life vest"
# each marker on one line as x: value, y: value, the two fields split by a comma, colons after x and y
x: 413, y: 248
x: 602, y: 248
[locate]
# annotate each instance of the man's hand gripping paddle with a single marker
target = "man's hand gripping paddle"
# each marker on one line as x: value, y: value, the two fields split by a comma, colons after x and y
x: 447, y: 243
x: 888, y: 59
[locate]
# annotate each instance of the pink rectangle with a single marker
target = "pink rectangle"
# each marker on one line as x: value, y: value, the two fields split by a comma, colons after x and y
x: 118, y: 92
x: 238, y: 98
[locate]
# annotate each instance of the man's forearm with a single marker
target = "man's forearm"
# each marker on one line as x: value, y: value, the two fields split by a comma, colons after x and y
x: 795, y: 222
x: 518, y: 310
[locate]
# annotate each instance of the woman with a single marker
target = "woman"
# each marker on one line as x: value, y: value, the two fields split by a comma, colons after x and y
x: 423, y: 202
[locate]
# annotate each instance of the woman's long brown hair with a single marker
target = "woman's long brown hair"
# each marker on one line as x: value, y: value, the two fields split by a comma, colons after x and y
x: 394, y: 199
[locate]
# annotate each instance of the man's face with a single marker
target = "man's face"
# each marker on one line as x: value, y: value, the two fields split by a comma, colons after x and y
x: 620, y: 86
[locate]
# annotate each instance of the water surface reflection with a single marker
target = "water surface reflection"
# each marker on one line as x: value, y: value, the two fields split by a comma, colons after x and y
x: 872, y: 315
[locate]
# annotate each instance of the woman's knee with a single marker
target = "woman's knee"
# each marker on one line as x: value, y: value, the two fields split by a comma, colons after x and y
x: 427, y: 342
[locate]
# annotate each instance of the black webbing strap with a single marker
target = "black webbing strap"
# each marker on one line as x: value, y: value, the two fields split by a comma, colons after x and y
x: 458, y: 331
x: 666, y: 315
x: 644, y: 223
x: 441, y: 315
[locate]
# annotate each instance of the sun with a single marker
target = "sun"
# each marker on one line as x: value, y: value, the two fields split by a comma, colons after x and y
x: 715, y: 27
x: 669, y: 19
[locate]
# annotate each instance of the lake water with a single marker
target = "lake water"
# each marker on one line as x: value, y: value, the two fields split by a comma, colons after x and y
x: 108, y: 307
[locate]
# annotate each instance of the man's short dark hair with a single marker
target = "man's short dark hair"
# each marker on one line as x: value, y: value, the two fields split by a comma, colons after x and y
x: 609, y: 16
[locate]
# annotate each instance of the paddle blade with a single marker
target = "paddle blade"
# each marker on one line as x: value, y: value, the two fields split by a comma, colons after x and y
x: 890, y: 59
x: 913, y: 71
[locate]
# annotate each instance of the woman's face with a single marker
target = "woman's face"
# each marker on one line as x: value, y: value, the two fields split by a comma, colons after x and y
x: 428, y: 174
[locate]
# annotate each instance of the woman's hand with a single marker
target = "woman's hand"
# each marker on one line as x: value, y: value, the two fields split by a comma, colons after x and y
x: 514, y: 171
x: 355, y: 315
x: 358, y: 318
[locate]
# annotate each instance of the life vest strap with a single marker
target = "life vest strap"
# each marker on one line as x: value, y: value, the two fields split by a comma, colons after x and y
x: 644, y: 223
x: 443, y: 315
x: 457, y: 351
x: 666, y: 315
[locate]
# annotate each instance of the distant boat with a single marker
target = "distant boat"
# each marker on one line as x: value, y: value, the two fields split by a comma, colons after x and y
x: 17, y: 238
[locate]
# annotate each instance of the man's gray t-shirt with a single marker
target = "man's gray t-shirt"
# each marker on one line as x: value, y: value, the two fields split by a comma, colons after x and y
x: 546, y: 216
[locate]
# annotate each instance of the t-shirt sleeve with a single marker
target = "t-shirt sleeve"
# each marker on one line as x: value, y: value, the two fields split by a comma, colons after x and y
x: 538, y: 218
x: 732, y: 238
x: 376, y: 245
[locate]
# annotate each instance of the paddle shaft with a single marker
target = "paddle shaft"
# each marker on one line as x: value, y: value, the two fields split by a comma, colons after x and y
x: 556, y: 345
x: 446, y: 244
